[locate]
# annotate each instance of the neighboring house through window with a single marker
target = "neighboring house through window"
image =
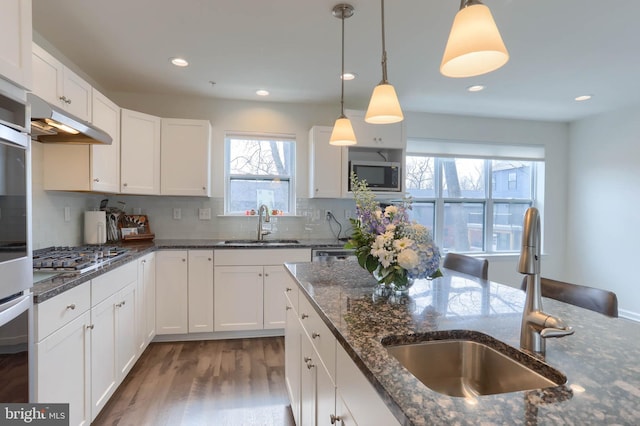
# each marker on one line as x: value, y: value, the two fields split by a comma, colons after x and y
x: 472, y: 195
x: 259, y: 169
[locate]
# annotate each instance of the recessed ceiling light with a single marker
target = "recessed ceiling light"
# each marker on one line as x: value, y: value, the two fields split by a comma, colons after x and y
x: 475, y: 88
x: 348, y: 76
x: 582, y: 98
x: 262, y: 92
x: 179, y: 62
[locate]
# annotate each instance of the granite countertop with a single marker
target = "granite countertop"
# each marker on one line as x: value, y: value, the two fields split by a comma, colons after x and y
x: 59, y: 283
x: 600, y: 361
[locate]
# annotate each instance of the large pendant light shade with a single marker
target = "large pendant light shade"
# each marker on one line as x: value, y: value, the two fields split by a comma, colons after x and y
x: 475, y: 46
x: 342, y: 134
x: 384, y: 107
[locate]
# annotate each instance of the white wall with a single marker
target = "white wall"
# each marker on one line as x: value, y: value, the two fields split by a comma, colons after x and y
x: 604, y: 200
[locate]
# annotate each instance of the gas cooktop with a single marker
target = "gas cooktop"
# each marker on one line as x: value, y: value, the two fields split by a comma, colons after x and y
x: 75, y: 259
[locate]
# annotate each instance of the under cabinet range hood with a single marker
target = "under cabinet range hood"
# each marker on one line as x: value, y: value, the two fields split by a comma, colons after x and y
x: 51, y: 124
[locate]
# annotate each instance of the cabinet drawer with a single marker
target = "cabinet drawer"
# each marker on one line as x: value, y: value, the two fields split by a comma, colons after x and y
x: 260, y: 256
x: 61, y: 309
x: 111, y: 282
x: 321, y: 337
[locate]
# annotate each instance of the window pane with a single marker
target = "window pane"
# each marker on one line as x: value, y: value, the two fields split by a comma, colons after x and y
x: 463, y: 178
x: 247, y: 194
x: 420, y: 177
x: 463, y: 227
x: 511, y: 179
x: 507, y: 225
x: 260, y: 157
x: 423, y: 213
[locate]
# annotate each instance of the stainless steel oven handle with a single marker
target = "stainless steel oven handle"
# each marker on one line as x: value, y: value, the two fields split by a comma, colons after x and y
x: 13, y: 308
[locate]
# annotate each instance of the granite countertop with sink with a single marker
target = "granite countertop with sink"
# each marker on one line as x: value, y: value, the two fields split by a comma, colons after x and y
x: 600, y: 361
x: 51, y: 284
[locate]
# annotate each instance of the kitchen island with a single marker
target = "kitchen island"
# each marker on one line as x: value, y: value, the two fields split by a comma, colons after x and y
x: 600, y: 360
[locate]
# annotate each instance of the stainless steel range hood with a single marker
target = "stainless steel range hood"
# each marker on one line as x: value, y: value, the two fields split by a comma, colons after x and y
x: 51, y: 124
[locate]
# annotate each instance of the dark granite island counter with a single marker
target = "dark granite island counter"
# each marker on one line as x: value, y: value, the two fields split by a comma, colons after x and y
x: 601, y: 360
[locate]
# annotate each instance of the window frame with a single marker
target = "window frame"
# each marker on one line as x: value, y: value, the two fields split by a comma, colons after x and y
x: 228, y: 177
x: 488, y: 201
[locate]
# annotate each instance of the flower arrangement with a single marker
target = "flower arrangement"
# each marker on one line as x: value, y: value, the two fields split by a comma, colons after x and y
x: 388, y: 244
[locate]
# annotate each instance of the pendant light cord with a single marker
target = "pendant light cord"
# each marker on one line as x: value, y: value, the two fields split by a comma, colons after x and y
x: 342, y: 75
x: 384, y: 49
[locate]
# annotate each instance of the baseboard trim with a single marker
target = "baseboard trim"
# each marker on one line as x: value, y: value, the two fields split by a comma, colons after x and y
x: 633, y: 316
x: 218, y: 335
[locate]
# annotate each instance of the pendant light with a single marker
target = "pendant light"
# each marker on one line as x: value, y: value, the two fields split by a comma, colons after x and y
x: 475, y: 46
x: 342, y: 133
x: 384, y: 107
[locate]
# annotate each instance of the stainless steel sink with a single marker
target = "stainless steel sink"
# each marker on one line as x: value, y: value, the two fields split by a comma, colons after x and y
x: 259, y: 242
x: 467, y: 368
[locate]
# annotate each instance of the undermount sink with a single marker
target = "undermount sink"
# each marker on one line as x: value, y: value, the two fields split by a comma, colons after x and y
x: 260, y: 242
x: 466, y: 367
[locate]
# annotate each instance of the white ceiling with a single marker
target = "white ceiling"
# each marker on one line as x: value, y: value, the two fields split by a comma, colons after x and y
x: 559, y: 49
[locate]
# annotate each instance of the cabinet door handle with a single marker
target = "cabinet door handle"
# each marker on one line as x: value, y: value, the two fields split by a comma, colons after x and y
x: 315, y: 335
x: 96, y: 180
x: 288, y: 289
x: 335, y: 419
x: 303, y: 316
x: 310, y: 366
x: 288, y: 308
x: 90, y: 326
x: 307, y: 359
x: 71, y: 306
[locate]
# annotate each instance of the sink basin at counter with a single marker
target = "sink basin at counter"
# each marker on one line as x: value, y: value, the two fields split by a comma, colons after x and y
x: 471, y: 364
x: 260, y: 243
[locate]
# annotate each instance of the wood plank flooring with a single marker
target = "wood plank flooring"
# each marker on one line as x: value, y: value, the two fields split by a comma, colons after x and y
x: 214, y: 382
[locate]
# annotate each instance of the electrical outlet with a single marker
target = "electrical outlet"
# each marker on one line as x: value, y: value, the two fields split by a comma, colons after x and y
x: 67, y: 214
x: 327, y: 215
x: 137, y: 210
x: 177, y: 213
x: 204, y: 214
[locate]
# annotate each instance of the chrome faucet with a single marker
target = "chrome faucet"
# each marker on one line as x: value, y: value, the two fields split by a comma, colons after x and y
x: 536, y: 324
x: 261, y: 232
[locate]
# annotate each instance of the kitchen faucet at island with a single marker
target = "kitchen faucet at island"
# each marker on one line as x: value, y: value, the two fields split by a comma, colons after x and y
x: 536, y: 324
x: 261, y: 232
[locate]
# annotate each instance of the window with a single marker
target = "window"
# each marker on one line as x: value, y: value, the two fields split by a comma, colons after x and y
x: 259, y: 169
x: 471, y: 204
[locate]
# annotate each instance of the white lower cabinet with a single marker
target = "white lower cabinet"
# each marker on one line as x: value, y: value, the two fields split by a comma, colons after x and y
x: 146, y: 301
x: 171, y: 292
x: 63, y: 372
x: 87, y: 341
x: 325, y: 386
x: 184, y: 291
x: 249, y: 287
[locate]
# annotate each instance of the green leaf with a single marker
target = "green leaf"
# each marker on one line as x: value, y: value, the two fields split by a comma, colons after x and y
x: 371, y: 263
x: 436, y: 274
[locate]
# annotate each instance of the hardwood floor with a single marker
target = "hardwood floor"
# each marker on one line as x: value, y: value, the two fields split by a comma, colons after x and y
x: 214, y: 382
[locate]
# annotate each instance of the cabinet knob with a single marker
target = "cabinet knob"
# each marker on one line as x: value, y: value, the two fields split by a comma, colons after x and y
x: 310, y: 366
x: 260, y: 274
x: 184, y: 260
x: 303, y: 316
x: 266, y: 275
x: 315, y: 335
x: 288, y: 308
x: 288, y: 289
x: 71, y: 306
x: 335, y: 419
x: 209, y: 259
x: 90, y: 326
x: 124, y: 184
x: 204, y: 188
x: 96, y: 180
x: 307, y: 359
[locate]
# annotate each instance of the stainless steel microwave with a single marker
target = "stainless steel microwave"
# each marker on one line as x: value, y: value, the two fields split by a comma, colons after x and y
x: 380, y: 175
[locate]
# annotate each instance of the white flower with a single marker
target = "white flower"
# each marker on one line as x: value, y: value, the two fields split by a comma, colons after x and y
x: 402, y: 243
x: 378, y: 244
x: 378, y: 214
x: 386, y: 258
x: 408, y: 259
x: 390, y: 228
x: 389, y: 211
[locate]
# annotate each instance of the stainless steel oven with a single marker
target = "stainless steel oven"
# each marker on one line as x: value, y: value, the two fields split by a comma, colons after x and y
x: 16, y: 275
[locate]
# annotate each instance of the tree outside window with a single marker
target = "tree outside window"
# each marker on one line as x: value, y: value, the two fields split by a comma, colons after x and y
x: 259, y: 170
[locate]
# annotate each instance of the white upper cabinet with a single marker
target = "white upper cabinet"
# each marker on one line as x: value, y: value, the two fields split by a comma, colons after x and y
x: 376, y: 135
x: 15, y: 42
x: 68, y: 167
x: 325, y: 164
x: 60, y: 86
x: 185, y: 165
x: 139, y: 153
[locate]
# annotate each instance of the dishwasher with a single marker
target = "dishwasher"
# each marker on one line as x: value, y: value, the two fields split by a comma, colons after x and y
x: 331, y: 254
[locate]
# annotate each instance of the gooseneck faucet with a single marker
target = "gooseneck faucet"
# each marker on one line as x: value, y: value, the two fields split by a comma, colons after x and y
x: 536, y: 324
x: 261, y: 232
